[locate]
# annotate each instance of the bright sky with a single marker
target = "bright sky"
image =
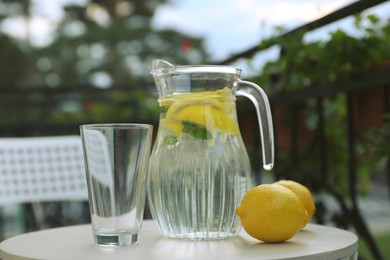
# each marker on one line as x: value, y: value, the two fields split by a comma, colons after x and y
x: 228, y: 26
x: 231, y: 26
x: 47, y: 14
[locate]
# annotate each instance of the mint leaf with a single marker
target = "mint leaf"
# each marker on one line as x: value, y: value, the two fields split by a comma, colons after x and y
x: 196, y: 130
x: 163, y: 111
x: 170, y: 140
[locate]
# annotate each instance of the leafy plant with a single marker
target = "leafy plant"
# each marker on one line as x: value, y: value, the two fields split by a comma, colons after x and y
x: 102, y: 44
x: 377, y: 141
x: 334, y: 61
x: 342, y: 56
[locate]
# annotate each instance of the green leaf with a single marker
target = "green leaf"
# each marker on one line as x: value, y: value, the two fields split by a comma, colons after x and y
x: 170, y: 140
x: 163, y: 111
x: 373, y: 19
x: 196, y: 130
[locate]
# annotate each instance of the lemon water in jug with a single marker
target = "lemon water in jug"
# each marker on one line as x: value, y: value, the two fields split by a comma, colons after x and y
x: 199, y: 168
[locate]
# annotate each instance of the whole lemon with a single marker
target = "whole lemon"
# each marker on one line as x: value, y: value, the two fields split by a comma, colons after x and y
x: 303, y: 193
x: 271, y: 213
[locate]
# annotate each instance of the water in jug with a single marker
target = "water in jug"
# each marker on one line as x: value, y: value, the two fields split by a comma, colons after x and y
x: 199, y: 168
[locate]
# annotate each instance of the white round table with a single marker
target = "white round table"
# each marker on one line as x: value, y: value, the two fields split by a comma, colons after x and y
x: 76, y: 242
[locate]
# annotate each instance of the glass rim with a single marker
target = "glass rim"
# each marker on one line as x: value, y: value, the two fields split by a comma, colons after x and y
x: 117, y: 125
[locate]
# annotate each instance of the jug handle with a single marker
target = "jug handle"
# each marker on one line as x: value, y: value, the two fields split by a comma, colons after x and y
x: 263, y: 110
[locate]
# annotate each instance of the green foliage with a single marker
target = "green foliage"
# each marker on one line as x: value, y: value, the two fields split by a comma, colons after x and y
x: 334, y: 61
x: 13, y: 63
x: 382, y: 239
x: 117, y: 106
x: 302, y: 64
x: 377, y: 141
x: 120, y: 49
x: 97, y: 44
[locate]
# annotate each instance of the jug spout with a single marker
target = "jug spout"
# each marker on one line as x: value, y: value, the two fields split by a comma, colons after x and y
x: 158, y: 66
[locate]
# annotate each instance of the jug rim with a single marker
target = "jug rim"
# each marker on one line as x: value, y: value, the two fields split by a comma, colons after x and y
x: 223, y: 69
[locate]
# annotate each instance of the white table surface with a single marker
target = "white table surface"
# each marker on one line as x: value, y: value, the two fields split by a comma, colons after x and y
x: 76, y: 242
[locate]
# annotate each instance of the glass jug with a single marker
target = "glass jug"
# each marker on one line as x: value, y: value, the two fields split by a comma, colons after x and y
x: 199, y: 168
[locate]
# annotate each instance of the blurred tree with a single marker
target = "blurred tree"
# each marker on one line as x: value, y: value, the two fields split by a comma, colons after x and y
x: 12, y: 62
x: 13, y: 59
x: 100, y: 43
x: 96, y: 43
x: 111, y: 42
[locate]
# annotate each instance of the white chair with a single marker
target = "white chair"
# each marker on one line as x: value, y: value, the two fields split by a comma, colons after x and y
x: 42, y: 169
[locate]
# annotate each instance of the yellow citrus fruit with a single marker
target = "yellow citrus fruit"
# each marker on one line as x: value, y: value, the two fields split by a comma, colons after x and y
x: 174, y: 125
x: 221, y: 95
x: 209, y: 109
x: 271, y: 213
x: 303, y: 194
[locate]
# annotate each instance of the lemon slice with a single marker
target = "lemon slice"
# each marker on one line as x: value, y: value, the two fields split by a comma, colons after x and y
x: 174, y: 126
x: 200, y: 113
x: 208, y: 113
x: 224, y: 94
x: 220, y: 98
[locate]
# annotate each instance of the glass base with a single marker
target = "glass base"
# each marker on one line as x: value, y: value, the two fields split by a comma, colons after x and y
x: 116, y: 240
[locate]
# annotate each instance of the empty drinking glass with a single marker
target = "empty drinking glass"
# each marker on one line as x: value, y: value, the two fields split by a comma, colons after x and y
x: 116, y: 162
